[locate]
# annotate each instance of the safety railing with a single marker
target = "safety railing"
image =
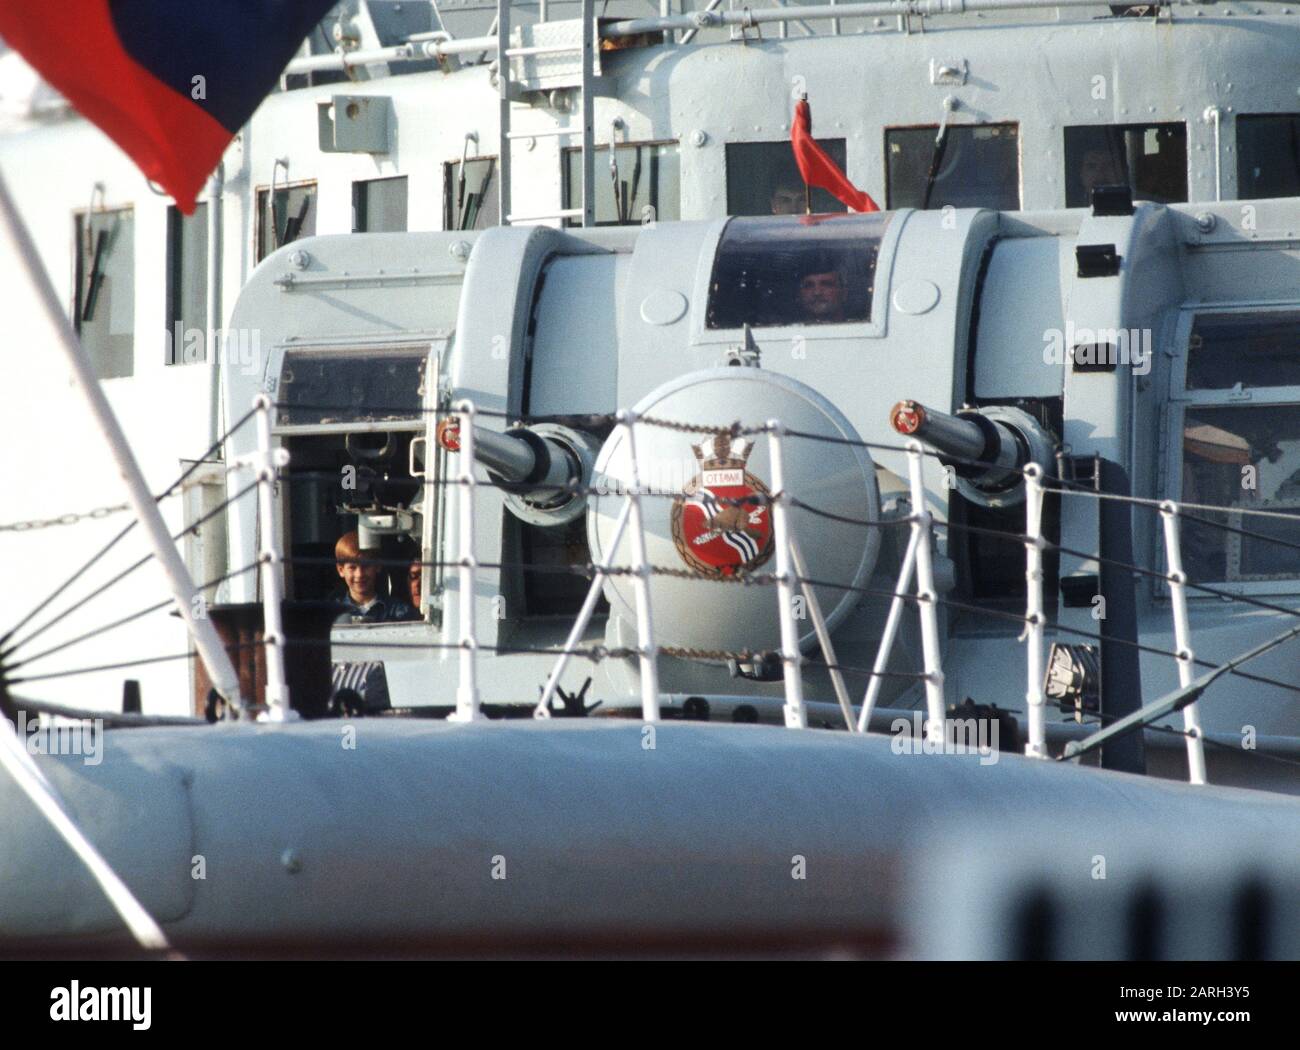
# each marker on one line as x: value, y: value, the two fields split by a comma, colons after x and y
x: 915, y: 584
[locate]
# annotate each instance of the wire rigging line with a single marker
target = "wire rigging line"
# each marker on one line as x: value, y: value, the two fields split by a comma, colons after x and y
x: 85, y: 600
x: 212, y: 450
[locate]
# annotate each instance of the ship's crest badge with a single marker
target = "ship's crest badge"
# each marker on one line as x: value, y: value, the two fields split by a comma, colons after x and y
x: 722, y: 524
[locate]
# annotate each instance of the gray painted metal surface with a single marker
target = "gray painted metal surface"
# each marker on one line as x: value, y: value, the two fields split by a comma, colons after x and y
x: 597, y: 835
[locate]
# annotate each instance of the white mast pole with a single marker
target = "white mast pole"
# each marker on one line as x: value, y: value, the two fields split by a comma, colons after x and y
x: 220, y: 670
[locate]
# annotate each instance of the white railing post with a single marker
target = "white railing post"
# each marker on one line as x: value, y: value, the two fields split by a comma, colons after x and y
x: 467, y: 698
x: 796, y: 714
x: 649, y: 654
x: 927, y: 599
x: 1036, y: 747
x: 267, y: 462
x: 1183, y: 640
x: 543, y: 709
x: 891, y: 631
x: 823, y: 634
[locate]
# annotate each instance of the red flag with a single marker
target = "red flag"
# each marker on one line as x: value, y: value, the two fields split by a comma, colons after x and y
x: 817, y: 169
x: 170, y: 81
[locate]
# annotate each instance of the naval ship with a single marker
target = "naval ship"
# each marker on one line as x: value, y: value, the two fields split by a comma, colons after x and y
x: 744, y: 574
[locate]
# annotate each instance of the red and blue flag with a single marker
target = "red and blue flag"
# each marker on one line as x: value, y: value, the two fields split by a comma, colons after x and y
x: 170, y: 81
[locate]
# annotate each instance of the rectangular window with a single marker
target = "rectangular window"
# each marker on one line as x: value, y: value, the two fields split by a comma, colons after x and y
x: 978, y: 166
x: 762, y: 179
x: 1241, y: 447
x: 1234, y: 350
x: 647, y: 178
x: 1150, y: 159
x: 282, y: 220
x: 379, y: 206
x: 187, y: 285
x: 104, y: 299
x: 469, y: 198
x: 1268, y: 155
x: 1241, y: 458
x: 783, y: 270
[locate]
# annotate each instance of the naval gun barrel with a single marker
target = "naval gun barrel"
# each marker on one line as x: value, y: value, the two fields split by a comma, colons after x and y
x: 525, y: 458
x: 543, y: 466
x: 987, y: 447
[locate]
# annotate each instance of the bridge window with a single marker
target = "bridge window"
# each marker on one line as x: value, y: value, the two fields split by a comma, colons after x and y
x: 648, y: 183
x: 282, y: 220
x: 1151, y: 159
x: 1268, y: 155
x: 104, y: 303
x: 795, y: 270
x: 379, y: 206
x: 762, y: 179
x: 471, y: 204
x: 1241, y: 450
x: 977, y: 167
x: 187, y: 286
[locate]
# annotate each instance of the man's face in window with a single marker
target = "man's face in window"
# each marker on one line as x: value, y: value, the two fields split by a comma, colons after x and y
x: 821, y: 297
x: 788, y: 200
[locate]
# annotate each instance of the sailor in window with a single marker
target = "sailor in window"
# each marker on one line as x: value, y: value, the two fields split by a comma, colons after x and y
x: 789, y: 197
x: 362, y: 686
x: 821, y: 294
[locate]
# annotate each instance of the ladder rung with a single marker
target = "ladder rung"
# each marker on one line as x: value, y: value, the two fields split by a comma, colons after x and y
x: 549, y: 49
x: 567, y: 213
x: 543, y: 134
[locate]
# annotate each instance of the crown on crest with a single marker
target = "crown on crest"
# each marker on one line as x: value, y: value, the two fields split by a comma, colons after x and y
x: 722, y: 451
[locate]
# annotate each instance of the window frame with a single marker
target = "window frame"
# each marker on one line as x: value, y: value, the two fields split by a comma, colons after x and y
x: 175, y: 239
x: 1240, y: 156
x: 1145, y: 125
x: 780, y: 144
x: 876, y: 327
x: 602, y: 152
x: 448, y: 168
x: 1181, y: 400
x: 361, y: 201
x: 79, y: 217
x: 259, y: 219
x: 954, y: 125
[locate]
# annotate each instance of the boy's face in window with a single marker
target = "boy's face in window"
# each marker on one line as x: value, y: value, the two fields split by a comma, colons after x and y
x: 361, y: 577
x: 821, y: 297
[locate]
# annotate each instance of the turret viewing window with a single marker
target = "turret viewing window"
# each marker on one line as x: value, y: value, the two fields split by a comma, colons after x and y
x: 1240, y: 443
x: 1268, y: 155
x: 469, y: 196
x: 644, y: 183
x: 1150, y: 159
x: 976, y: 166
x: 281, y: 219
x: 795, y: 270
x: 762, y: 179
x: 104, y: 299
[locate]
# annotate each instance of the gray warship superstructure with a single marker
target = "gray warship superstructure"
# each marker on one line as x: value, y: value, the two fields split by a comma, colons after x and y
x: 674, y: 445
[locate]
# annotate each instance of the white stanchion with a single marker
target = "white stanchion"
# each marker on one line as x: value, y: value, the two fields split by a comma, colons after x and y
x: 649, y: 653
x: 1183, y: 641
x: 1035, y: 619
x: 468, y: 706
x: 927, y: 599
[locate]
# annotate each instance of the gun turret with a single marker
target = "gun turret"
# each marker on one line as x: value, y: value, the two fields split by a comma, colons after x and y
x: 986, y: 447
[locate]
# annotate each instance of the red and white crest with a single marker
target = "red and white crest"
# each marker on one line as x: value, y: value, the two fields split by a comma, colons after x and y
x: 720, y: 528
